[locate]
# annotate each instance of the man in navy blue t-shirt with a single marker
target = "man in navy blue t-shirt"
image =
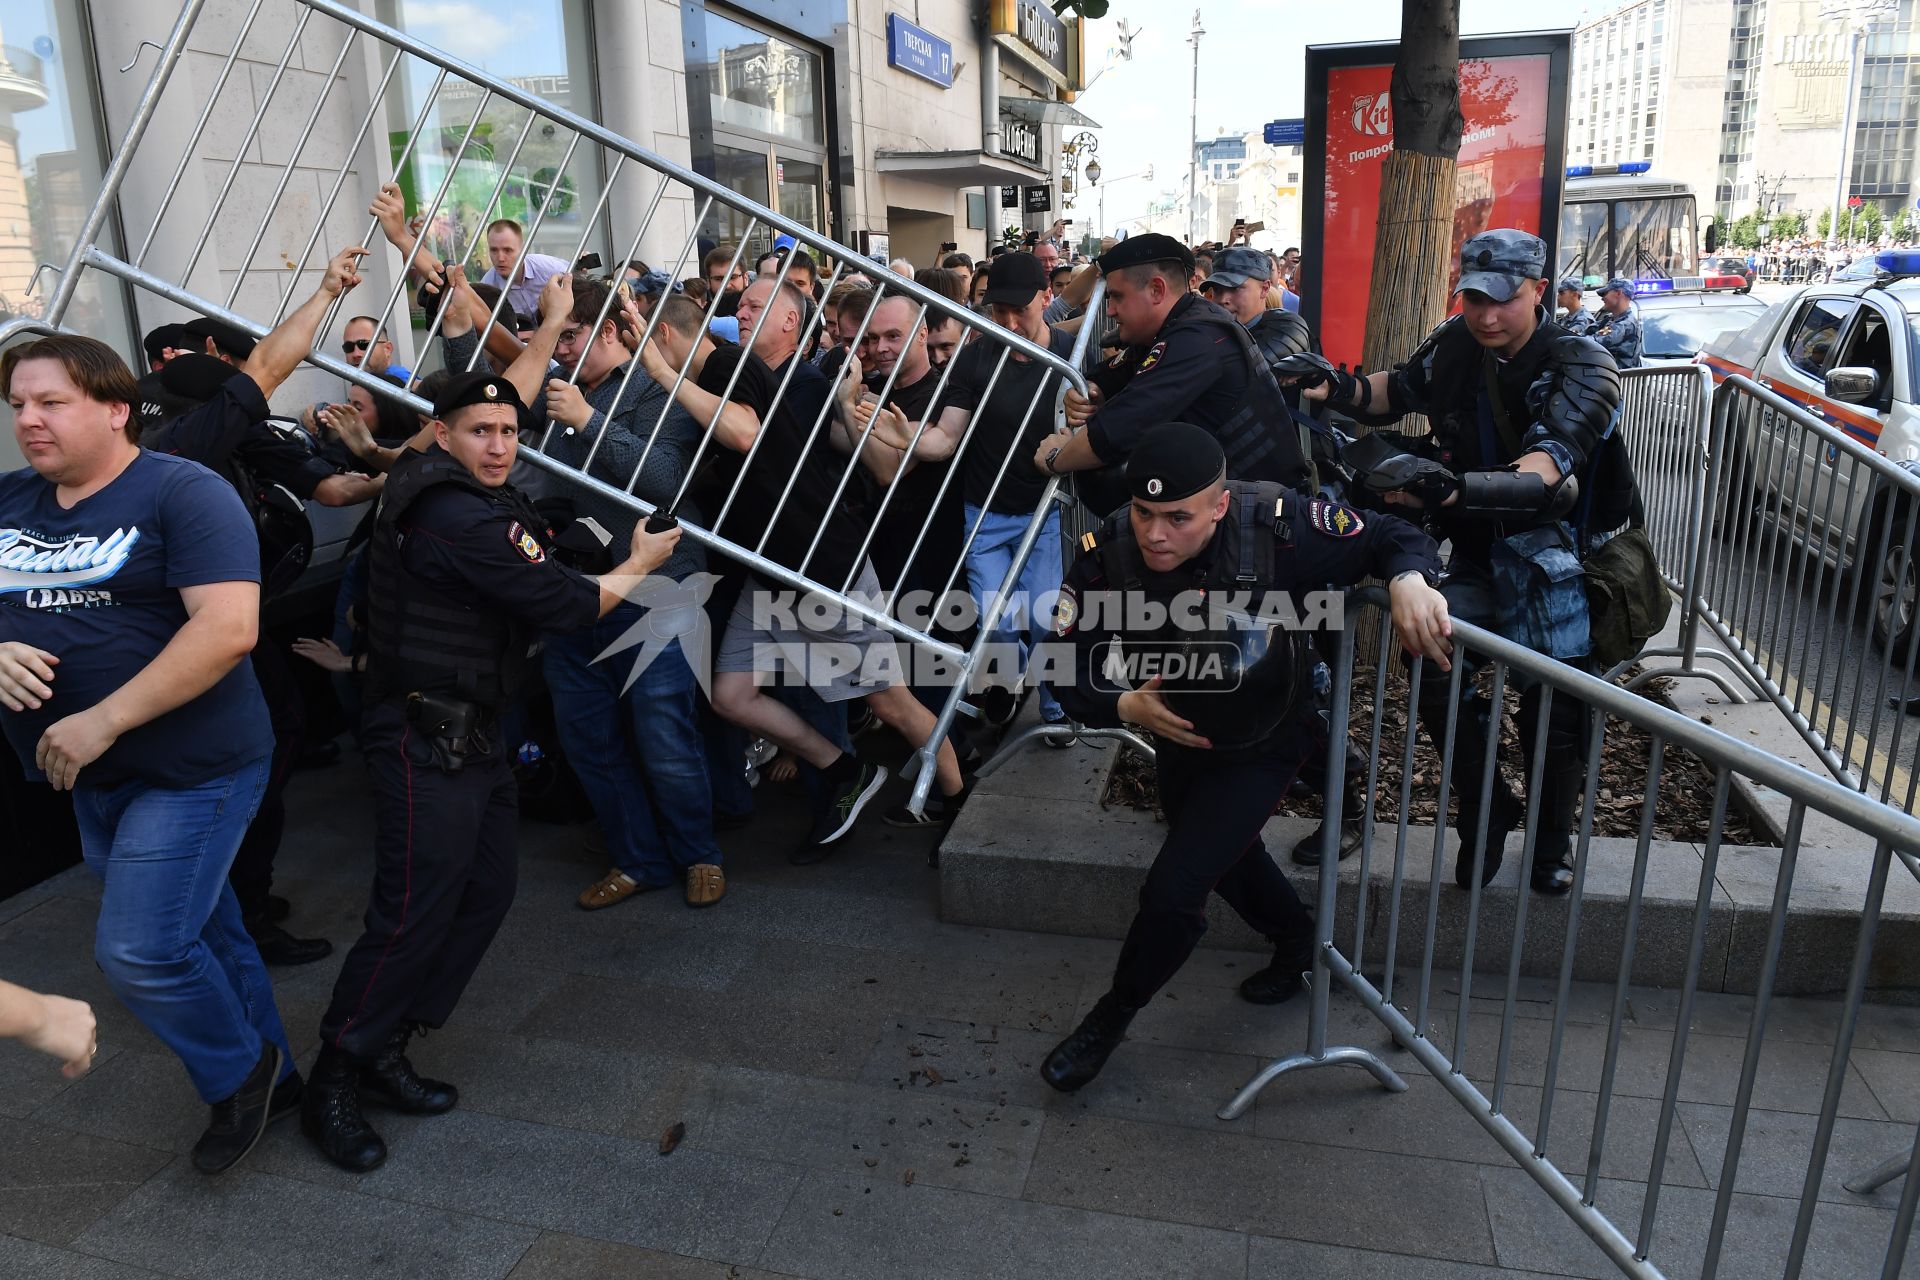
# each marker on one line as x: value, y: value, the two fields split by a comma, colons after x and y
x: 129, y: 598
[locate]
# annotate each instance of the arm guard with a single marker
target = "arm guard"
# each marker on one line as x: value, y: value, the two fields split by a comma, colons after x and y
x: 1515, y: 495
x: 1575, y: 398
x: 1284, y: 334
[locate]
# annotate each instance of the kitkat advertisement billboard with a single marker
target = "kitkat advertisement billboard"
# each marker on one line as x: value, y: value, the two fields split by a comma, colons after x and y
x: 1509, y: 174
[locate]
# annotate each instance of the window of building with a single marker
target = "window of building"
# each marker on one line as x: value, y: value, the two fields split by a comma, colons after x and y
x: 51, y: 158
x: 516, y: 165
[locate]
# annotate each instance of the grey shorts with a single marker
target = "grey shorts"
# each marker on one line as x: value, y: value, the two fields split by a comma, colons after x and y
x: 812, y: 641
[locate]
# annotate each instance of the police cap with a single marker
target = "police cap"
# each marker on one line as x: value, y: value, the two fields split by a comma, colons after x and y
x: 1174, y: 460
x: 1234, y: 267
x: 1618, y: 283
x: 1569, y: 285
x: 476, y: 388
x: 226, y: 338
x: 1138, y: 251
x: 1495, y: 262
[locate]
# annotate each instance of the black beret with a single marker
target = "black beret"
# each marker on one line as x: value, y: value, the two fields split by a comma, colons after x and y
x: 234, y: 342
x: 1174, y: 460
x: 476, y: 388
x: 1137, y: 251
x: 196, y: 377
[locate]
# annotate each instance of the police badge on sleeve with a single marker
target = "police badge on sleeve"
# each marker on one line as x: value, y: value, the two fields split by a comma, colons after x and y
x: 1333, y: 519
x: 525, y: 543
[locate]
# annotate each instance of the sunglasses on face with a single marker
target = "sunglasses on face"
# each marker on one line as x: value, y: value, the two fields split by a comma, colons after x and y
x: 352, y: 345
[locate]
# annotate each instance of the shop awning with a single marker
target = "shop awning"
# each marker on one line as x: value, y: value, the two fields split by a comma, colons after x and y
x: 1037, y: 111
x: 958, y: 168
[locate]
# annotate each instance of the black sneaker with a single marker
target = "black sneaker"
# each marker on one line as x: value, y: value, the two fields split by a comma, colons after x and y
x: 940, y: 811
x: 860, y: 719
x: 236, y: 1123
x: 840, y: 813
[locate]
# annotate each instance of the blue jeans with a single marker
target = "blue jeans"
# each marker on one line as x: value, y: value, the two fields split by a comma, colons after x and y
x: 170, y: 940
x: 639, y: 754
x: 727, y: 749
x: 988, y: 560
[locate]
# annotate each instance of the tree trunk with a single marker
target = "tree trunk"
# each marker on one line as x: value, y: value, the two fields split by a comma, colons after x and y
x: 1413, y: 240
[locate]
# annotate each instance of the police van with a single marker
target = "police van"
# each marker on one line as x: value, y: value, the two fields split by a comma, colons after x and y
x: 1849, y: 354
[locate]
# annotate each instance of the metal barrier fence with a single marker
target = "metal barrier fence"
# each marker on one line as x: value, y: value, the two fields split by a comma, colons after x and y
x: 1551, y: 1095
x: 403, y: 60
x: 1791, y: 543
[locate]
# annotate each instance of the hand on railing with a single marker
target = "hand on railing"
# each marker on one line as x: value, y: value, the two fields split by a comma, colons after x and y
x: 1420, y: 616
x: 556, y: 296
x: 390, y: 208
x: 343, y: 272
x: 1078, y: 407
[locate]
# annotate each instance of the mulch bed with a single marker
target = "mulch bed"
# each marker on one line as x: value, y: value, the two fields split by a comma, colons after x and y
x: 1683, y: 812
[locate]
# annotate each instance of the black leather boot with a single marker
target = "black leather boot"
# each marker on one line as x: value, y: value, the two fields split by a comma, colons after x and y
x: 237, y: 1122
x: 282, y: 949
x: 1076, y: 1060
x: 390, y: 1081
x: 1353, y: 808
x: 330, y: 1114
x: 1561, y: 784
x: 1283, y: 979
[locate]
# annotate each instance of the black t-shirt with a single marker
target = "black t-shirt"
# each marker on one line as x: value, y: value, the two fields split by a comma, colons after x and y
x: 1006, y: 425
x: 235, y: 426
x: 782, y: 455
x: 914, y: 497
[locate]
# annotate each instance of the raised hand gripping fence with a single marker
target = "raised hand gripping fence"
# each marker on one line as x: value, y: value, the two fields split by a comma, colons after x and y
x: 1584, y: 1102
x: 391, y: 54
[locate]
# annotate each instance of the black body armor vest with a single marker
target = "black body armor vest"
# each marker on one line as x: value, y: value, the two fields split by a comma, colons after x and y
x: 1262, y: 440
x: 423, y: 639
x: 1242, y: 675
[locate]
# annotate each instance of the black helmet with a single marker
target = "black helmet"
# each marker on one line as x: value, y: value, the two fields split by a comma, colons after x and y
x: 1244, y: 677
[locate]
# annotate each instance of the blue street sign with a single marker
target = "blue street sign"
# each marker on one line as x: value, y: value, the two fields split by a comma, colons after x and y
x: 1285, y: 133
x: 919, y: 52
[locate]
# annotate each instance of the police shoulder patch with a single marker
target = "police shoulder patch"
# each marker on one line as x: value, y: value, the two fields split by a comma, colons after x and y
x: 1152, y: 357
x: 1066, y: 611
x: 1334, y: 519
x: 525, y: 543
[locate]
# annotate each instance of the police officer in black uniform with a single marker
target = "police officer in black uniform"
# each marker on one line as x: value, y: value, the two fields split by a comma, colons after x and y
x: 1525, y: 473
x: 1218, y: 555
x: 461, y: 580
x: 1187, y: 359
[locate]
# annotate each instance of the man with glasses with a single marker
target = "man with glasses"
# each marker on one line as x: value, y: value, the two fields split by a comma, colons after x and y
x: 724, y: 275
x: 367, y: 347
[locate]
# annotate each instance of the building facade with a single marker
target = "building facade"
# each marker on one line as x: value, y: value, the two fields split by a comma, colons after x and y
x: 1745, y: 101
x: 884, y: 126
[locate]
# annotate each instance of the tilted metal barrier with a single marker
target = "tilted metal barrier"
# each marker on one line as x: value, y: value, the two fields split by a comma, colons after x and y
x: 1791, y: 543
x: 1382, y: 943
x: 347, y: 33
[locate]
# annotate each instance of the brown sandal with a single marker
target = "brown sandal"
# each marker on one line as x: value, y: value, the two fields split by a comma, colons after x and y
x: 614, y: 887
x: 706, y: 884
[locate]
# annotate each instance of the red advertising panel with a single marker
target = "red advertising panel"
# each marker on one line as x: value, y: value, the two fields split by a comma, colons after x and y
x: 1509, y: 167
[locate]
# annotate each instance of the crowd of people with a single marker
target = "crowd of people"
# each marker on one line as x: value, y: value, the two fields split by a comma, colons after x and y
x: 819, y: 423
x: 1801, y: 260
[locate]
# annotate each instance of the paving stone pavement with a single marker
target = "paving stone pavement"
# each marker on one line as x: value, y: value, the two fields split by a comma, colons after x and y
x: 858, y: 1085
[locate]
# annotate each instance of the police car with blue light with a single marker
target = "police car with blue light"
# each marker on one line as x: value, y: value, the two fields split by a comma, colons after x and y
x: 1848, y: 352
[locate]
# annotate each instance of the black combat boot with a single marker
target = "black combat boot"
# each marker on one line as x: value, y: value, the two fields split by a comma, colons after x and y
x: 236, y: 1123
x: 1283, y: 979
x: 390, y: 1081
x: 1076, y: 1060
x: 330, y: 1114
x: 1561, y: 782
x: 1353, y: 809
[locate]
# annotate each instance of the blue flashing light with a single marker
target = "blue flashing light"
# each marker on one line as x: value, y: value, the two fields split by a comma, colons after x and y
x: 1899, y: 262
x: 1652, y: 286
x: 1579, y: 171
x: 1636, y: 166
